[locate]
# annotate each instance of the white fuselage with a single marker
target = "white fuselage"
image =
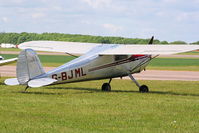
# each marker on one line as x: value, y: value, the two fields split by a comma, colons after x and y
x: 98, y: 67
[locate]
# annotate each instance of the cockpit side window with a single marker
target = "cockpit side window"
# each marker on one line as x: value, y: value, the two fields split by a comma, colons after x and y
x: 120, y: 57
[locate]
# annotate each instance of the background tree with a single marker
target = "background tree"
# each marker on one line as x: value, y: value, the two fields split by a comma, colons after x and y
x: 17, y: 38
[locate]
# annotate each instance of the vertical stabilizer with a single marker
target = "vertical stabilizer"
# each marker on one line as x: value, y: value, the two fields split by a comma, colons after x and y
x: 28, y: 66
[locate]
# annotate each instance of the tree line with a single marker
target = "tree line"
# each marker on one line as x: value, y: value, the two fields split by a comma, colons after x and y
x: 17, y: 38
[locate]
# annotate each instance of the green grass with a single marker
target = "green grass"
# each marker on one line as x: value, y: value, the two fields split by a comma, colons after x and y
x: 47, y: 60
x: 190, y: 64
x: 190, y: 53
x: 7, y: 56
x: 9, y: 49
x: 170, y: 107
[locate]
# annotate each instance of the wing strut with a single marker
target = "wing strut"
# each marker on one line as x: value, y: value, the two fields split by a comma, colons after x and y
x: 71, y: 55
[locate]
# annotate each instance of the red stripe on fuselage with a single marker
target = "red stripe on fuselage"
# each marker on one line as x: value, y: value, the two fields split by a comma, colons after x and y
x: 132, y: 58
x: 137, y: 56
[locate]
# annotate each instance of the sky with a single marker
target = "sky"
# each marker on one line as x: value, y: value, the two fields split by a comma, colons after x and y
x: 169, y: 20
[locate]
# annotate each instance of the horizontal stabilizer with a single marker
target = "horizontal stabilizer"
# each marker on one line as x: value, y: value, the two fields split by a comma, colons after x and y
x: 12, y: 81
x: 41, y: 82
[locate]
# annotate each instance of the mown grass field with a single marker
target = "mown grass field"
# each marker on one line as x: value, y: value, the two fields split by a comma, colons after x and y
x: 170, y: 107
x: 190, y: 53
x: 190, y: 64
x: 9, y: 49
x: 47, y: 60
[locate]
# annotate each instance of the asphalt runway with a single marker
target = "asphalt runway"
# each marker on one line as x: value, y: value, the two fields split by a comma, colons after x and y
x: 10, y: 71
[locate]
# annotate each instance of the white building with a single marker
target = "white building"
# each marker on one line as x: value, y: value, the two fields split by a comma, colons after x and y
x: 6, y: 45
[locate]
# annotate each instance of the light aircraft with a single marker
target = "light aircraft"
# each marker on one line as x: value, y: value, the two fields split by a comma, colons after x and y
x: 8, y: 61
x: 98, y: 61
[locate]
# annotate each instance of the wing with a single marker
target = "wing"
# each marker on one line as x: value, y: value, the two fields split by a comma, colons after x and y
x: 106, y: 49
x: 149, y: 49
x: 8, y: 61
x: 57, y: 46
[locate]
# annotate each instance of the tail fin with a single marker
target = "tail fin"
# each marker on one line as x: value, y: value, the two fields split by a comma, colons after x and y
x: 28, y: 66
x: 28, y: 70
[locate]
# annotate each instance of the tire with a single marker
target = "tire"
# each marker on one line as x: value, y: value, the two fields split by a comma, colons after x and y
x: 144, y: 89
x: 106, y: 87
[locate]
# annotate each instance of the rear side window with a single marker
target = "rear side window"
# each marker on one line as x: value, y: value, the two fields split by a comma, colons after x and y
x: 120, y: 57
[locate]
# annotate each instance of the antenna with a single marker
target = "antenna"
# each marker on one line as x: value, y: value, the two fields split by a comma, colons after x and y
x: 151, y: 41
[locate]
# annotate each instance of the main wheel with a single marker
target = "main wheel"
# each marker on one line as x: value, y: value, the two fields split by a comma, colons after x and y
x: 144, y: 89
x: 106, y: 87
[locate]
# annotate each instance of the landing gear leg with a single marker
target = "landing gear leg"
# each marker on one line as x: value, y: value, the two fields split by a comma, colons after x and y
x: 26, y: 88
x: 110, y: 80
x: 107, y: 86
x: 142, y: 88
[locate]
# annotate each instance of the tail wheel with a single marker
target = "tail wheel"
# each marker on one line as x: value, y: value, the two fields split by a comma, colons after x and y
x: 106, y: 87
x: 144, y: 88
